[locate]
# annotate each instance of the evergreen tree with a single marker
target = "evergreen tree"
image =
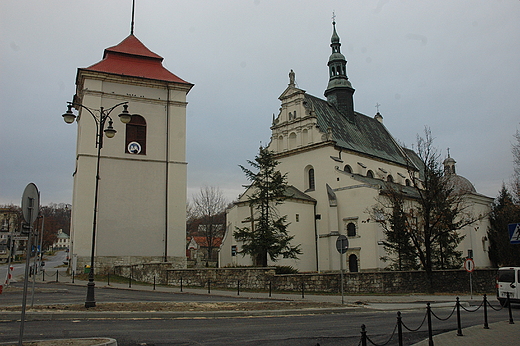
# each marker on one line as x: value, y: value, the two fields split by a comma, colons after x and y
x: 267, y: 237
x: 397, y: 229
x: 503, y: 212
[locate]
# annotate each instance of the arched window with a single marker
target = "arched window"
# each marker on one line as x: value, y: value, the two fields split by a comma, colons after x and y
x: 292, y: 140
x: 136, y: 135
x: 348, y: 169
x: 309, y: 178
x: 351, y: 229
x: 280, y: 143
x: 352, y: 264
x: 407, y: 182
x: 370, y: 174
x: 311, y: 183
x: 390, y: 179
x: 305, y: 137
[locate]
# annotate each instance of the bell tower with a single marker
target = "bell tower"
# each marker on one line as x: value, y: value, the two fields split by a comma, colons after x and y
x: 339, y: 90
x: 142, y: 169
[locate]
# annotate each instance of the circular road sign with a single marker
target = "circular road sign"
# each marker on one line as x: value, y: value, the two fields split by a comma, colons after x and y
x: 469, y: 265
x: 342, y: 244
x: 30, y: 203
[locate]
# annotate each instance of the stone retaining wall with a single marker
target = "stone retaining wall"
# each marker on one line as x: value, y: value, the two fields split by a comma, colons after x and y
x: 383, y: 282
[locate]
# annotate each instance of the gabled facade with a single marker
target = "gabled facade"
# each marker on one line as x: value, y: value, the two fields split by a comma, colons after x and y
x: 340, y: 159
x: 142, y: 186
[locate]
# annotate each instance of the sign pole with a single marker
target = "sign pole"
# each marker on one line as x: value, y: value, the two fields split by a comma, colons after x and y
x: 26, y: 278
x: 471, y: 285
x: 342, y: 247
x: 342, y: 278
x: 30, y: 210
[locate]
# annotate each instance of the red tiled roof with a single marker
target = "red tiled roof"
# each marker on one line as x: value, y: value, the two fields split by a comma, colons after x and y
x: 203, y: 241
x: 132, y: 58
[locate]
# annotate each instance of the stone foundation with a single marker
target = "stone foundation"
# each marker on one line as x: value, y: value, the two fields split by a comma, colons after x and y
x: 106, y: 264
x: 385, y: 282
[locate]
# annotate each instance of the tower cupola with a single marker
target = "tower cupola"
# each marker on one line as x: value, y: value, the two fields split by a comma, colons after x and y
x: 339, y: 90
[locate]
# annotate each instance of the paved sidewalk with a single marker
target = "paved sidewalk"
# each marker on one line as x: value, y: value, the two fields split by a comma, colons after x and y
x: 500, y: 333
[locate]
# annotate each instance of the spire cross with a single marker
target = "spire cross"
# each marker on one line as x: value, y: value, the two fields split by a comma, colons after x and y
x: 333, y: 17
x: 448, y: 152
x: 377, y: 106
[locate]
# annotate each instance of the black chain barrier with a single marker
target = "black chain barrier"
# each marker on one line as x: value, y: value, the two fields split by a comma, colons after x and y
x: 365, y: 339
x: 414, y: 329
x: 449, y: 316
x: 387, y: 341
x: 56, y: 274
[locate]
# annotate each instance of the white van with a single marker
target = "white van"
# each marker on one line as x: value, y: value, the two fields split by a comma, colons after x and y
x: 508, y: 281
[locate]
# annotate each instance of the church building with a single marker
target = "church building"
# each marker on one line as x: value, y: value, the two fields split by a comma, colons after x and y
x: 142, y: 169
x: 337, y: 162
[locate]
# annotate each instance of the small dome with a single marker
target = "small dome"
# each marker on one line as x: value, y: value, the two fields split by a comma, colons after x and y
x: 336, y: 56
x: 461, y: 184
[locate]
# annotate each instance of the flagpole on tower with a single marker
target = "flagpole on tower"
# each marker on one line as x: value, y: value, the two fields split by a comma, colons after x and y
x: 132, y: 24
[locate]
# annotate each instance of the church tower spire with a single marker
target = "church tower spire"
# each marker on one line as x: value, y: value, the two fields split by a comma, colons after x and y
x: 339, y: 90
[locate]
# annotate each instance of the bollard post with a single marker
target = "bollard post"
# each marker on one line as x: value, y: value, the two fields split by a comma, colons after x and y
x: 430, y: 331
x: 363, y: 335
x: 400, y: 328
x: 510, y: 313
x: 209, y: 286
x: 57, y: 275
x: 238, y: 288
x: 303, y: 290
x: 108, y: 279
x: 459, y: 325
x: 270, y: 289
x: 486, y: 325
x: 73, y: 274
x: 154, y: 282
x: 181, y: 283
x: 43, y: 278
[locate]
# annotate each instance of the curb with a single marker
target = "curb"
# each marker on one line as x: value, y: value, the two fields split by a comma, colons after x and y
x: 101, y: 341
x: 57, y: 316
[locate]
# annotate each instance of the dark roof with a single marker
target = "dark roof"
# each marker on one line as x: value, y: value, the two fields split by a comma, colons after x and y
x: 293, y: 192
x: 383, y: 186
x: 359, y: 133
x: 131, y: 58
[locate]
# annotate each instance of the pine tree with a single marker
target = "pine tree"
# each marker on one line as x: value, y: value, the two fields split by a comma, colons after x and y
x: 503, y: 212
x: 267, y: 237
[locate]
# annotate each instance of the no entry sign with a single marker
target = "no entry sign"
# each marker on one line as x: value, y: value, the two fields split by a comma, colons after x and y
x: 469, y: 265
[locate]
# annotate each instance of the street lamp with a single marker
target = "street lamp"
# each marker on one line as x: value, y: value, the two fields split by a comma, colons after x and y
x: 100, y: 118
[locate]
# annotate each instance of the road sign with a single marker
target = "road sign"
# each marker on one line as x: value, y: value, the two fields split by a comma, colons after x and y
x: 16, y: 237
x: 514, y: 233
x: 469, y: 265
x: 30, y: 203
x: 342, y: 244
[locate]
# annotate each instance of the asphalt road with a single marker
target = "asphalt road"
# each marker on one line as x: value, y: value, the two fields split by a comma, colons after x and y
x: 325, y: 330
x: 61, y: 293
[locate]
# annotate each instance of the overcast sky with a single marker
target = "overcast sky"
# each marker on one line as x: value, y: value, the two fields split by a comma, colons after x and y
x: 451, y: 65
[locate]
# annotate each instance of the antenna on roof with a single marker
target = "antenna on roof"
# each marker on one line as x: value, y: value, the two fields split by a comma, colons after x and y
x: 132, y: 24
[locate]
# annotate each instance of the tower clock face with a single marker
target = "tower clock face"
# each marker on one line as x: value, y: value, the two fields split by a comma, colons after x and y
x: 134, y: 148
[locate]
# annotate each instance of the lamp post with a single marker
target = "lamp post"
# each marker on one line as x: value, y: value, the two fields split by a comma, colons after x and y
x: 100, y: 118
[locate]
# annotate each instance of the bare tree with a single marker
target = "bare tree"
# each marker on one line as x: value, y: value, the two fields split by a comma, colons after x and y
x: 425, y: 222
x: 209, y: 205
x: 516, y: 164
